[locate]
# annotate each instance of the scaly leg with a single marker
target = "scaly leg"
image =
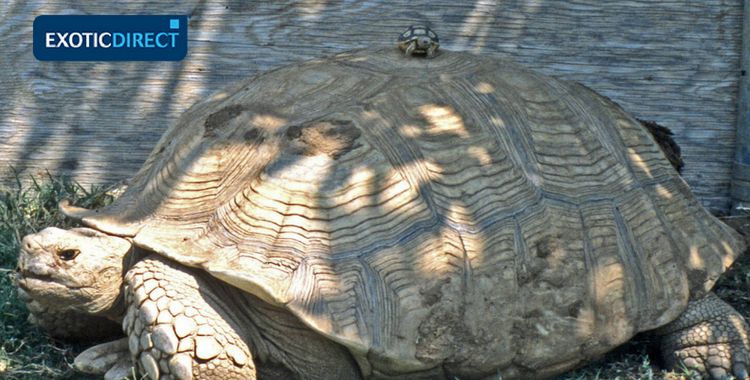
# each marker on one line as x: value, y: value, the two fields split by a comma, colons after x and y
x: 184, y: 324
x: 431, y: 51
x: 709, y: 337
x: 174, y: 333
x: 410, y: 48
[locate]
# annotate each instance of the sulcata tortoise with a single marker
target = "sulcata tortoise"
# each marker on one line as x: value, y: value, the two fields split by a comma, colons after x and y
x: 344, y: 218
x: 418, y: 39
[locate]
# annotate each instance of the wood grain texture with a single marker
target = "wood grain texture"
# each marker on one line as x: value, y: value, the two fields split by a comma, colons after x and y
x: 494, y: 220
x: 674, y: 62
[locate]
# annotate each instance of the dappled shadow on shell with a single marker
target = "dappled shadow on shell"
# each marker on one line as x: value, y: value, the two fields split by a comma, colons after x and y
x: 458, y: 211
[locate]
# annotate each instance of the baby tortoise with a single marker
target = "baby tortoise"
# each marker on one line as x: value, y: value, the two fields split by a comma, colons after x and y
x: 419, y: 39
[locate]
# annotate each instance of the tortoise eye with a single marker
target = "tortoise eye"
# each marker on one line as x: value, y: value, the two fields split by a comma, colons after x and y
x: 68, y: 254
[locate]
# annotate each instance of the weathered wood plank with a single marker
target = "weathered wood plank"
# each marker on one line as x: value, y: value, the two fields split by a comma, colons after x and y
x: 675, y: 62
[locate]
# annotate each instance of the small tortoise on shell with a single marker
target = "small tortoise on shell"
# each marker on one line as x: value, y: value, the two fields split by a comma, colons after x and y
x: 418, y: 39
x: 329, y: 220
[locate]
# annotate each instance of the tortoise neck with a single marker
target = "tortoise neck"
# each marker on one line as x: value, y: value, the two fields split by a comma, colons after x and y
x: 119, y: 306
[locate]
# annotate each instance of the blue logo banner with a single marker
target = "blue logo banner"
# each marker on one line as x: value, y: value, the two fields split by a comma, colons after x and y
x: 110, y: 38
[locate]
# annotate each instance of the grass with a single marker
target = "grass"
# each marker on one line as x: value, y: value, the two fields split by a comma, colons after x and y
x: 27, y: 354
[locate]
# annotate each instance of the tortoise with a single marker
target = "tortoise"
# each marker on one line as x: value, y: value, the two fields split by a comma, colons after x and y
x: 329, y: 220
x: 418, y: 39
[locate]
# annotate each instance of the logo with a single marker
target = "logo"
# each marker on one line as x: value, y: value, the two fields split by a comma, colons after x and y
x: 110, y: 38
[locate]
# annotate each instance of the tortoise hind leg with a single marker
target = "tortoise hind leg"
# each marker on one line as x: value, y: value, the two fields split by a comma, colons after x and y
x: 709, y: 337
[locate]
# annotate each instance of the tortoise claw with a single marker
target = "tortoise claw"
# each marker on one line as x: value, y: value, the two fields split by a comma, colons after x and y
x: 110, y: 359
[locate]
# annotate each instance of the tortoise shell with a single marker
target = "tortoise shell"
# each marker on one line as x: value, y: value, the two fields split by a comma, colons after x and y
x: 497, y: 217
x: 415, y: 31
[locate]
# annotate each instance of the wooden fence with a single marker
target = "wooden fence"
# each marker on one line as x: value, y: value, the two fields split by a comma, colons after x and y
x: 674, y: 62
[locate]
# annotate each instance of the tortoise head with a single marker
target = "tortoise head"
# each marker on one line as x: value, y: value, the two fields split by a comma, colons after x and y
x: 79, y: 269
x: 423, y: 42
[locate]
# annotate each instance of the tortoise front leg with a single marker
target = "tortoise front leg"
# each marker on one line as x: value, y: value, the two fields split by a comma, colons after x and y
x: 710, y: 337
x: 431, y: 50
x: 410, y: 48
x: 184, y: 324
x: 175, y: 333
